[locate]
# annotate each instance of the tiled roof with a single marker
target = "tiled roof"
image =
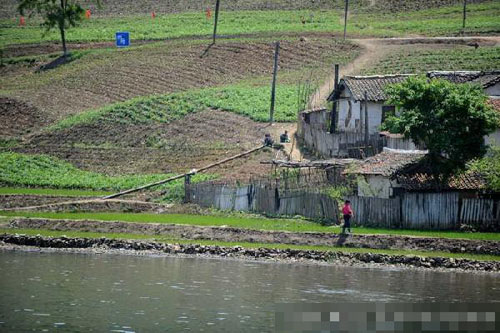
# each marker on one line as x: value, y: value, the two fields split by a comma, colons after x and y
x: 495, y: 103
x: 425, y: 181
x: 373, y: 85
x: 485, y: 79
x: 386, y: 163
x: 412, y: 172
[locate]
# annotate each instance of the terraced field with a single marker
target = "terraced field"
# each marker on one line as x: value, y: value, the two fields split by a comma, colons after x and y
x: 105, y: 76
x: 449, y: 59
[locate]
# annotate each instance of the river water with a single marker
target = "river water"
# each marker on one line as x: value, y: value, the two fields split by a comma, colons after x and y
x: 124, y: 293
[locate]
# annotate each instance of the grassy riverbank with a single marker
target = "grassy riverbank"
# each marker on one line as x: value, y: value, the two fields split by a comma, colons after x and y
x: 126, y: 236
x: 292, y: 225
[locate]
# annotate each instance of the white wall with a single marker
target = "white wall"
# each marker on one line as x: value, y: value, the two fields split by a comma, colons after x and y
x: 493, y: 138
x: 374, y: 114
x: 493, y: 90
x: 375, y: 186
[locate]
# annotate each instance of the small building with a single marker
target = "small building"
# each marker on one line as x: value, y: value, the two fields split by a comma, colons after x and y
x: 351, y: 99
x: 488, y: 80
x: 393, y: 173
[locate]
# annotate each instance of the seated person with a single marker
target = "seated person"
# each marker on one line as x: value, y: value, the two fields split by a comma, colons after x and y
x: 268, y: 141
x: 284, y: 137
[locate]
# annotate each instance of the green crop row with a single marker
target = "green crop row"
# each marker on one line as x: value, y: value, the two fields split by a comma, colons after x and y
x: 45, y: 171
x: 463, y: 58
x: 249, y: 101
x: 482, y: 18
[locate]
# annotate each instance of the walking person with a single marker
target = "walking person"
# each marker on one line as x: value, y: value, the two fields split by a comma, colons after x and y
x: 348, y: 213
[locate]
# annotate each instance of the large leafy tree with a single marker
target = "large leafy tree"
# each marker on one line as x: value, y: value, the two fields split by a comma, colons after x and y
x: 55, y: 13
x: 450, y: 119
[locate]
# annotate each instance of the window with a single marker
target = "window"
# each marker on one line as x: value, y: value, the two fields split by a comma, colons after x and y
x: 387, y: 110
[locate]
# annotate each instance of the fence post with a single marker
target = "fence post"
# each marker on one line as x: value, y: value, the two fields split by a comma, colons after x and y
x: 187, y: 189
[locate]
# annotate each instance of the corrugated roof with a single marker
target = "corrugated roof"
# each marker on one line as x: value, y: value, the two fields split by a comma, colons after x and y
x: 373, y: 85
x: 485, y: 79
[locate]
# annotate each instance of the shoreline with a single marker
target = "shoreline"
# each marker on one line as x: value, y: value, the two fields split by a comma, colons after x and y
x: 149, y: 248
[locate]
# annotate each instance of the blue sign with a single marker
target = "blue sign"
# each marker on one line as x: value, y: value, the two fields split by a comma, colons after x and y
x: 122, y: 39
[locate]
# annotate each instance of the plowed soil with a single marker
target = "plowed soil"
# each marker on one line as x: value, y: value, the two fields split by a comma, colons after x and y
x: 192, y: 142
x: 105, y: 77
x: 19, y: 118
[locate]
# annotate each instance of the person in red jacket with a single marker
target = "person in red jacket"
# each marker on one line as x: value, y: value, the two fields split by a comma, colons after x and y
x: 348, y: 213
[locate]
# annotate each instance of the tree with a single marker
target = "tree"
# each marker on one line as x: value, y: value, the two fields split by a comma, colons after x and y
x: 489, y: 167
x: 60, y: 13
x: 450, y: 119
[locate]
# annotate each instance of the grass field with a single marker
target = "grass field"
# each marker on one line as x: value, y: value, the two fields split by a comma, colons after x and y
x: 52, y: 233
x: 40, y: 170
x: 482, y: 18
x: 421, y: 61
x: 293, y: 225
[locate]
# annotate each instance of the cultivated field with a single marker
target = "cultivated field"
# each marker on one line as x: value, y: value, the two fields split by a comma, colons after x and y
x: 411, y: 60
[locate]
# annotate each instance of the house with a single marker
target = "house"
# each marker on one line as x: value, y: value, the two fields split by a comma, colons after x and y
x: 393, y: 172
x: 488, y: 80
x: 351, y: 100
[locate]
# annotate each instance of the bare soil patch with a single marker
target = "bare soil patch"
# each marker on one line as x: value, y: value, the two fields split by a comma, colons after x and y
x: 101, y: 78
x: 194, y: 141
x: 59, y: 204
x: 18, y: 118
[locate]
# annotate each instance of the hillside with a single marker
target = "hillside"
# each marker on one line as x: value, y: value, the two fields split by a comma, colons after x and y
x: 172, y: 102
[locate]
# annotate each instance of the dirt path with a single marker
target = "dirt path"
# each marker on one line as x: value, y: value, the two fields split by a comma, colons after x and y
x: 374, y: 50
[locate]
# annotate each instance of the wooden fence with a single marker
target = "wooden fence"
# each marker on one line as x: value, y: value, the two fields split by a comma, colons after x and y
x: 425, y: 211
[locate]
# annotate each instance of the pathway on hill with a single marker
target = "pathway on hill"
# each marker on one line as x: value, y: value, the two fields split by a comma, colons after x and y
x: 373, y: 50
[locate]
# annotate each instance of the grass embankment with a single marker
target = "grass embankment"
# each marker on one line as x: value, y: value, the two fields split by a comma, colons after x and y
x: 73, y: 234
x: 421, y: 61
x: 41, y: 170
x: 482, y: 18
x: 292, y: 225
x: 51, y: 192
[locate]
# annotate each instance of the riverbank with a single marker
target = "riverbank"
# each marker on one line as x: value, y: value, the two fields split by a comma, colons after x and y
x: 102, y: 245
x: 231, y: 234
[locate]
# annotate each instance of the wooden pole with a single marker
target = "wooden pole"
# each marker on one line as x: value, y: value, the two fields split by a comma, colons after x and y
x: 216, y: 19
x: 333, y: 114
x: 367, y: 129
x: 465, y: 13
x: 187, y: 188
x: 345, y: 17
x: 183, y: 175
x: 273, y: 88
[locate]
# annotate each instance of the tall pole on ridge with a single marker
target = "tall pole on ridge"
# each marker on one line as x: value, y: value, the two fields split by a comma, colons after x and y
x: 216, y: 19
x: 273, y: 89
x: 345, y: 17
x: 465, y: 13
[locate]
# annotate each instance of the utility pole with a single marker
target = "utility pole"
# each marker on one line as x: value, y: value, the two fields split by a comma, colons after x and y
x: 333, y: 114
x: 216, y: 19
x: 465, y: 13
x: 345, y: 17
x: 273, y: 89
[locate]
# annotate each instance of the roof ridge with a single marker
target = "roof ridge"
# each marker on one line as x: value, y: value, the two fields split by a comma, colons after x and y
x: 376, y: 76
